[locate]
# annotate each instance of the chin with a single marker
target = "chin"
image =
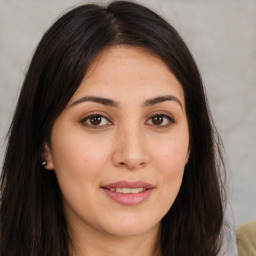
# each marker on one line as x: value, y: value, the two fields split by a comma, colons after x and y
x: 131, y: 227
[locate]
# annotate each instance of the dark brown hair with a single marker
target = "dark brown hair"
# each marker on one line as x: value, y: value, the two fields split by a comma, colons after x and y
x: 32, y: 221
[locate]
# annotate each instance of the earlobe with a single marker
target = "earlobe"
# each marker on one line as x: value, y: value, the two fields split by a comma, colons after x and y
x: 47, y: 161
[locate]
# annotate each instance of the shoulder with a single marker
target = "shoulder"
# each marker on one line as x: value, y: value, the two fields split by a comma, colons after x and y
x: 246, y: 238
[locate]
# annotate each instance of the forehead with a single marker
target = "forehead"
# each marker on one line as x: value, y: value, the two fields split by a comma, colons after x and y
x: 128, y: 71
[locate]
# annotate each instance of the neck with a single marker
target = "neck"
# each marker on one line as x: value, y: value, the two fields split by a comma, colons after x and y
x: 100, y: 244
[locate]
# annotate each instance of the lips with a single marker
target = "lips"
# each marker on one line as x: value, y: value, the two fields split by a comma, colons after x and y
x: 128, y: 193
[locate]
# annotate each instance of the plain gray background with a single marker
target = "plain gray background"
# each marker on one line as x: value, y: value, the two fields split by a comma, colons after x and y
x: 221, y: 35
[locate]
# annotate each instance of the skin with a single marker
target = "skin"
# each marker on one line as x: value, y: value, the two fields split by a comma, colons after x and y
x: 126, y: 144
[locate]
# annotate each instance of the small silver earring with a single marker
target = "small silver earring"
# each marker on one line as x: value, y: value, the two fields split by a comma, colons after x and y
x: 44, y: 163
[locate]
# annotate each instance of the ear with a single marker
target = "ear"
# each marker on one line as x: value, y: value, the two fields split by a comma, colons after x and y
x: 47, y: 156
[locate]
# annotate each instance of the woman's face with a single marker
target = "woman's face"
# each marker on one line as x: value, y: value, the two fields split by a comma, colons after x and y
x: 120, y: 146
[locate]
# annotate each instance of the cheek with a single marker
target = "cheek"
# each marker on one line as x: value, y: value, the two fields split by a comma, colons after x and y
x: 79, y: 155
x: 171, y: 162
x: 172, y: 153
x: 78, y: 165
x: 171, y: 167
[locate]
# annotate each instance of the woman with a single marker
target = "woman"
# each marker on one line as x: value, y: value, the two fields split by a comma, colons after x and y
x: 112, y: 150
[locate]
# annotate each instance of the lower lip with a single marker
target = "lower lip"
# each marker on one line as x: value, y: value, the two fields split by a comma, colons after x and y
x: 129, y: 199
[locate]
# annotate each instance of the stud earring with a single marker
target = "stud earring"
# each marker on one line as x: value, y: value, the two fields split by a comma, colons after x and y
x: 44, y: 163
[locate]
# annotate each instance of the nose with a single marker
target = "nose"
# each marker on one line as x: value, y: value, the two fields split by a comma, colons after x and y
x: 130, y: 149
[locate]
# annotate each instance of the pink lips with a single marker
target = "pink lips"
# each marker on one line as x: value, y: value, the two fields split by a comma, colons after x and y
x: 128, y: 198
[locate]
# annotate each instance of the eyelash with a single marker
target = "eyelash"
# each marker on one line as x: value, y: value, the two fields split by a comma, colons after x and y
x: 84, y: 120
x: 94, y: 115
x: 169, y: 118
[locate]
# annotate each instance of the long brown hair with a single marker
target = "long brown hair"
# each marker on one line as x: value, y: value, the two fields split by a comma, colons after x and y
x: 32, y: 221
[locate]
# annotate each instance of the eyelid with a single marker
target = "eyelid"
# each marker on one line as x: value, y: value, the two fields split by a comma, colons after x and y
x: 93, y: 114
x: 160, y: 113
x: 163, y: 114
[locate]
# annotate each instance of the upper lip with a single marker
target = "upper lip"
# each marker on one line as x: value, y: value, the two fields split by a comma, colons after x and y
x: 127, y: 184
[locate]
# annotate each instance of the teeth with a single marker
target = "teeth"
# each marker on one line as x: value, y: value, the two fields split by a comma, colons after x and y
x: 127, y: 190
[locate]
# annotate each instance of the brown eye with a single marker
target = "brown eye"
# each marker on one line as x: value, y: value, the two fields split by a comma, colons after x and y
x: 160, y: 120
x: 157, y: 120
x: 95, y: 120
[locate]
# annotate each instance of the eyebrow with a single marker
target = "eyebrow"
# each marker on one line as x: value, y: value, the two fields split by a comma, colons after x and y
x: 112, y: 103
x: 100, y: 100
x: 154, y: 101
